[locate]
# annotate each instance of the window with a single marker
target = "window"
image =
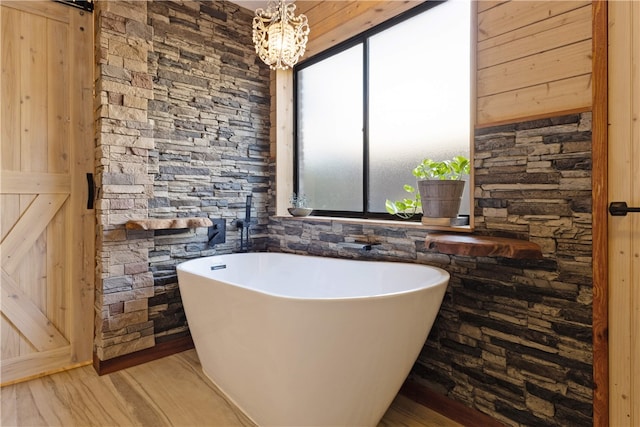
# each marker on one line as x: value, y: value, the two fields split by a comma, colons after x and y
x: 369, y: 110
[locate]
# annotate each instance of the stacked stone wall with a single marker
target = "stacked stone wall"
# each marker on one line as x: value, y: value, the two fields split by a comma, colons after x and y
x: 124, y: 137
x: 513, y: 337
x: 211, y: 131
x: 182, y: 129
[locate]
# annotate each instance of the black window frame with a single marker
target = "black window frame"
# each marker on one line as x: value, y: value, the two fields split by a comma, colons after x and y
x: 363, y: 39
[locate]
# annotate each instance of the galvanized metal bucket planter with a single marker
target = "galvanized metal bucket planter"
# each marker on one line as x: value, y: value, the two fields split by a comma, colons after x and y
x: 440, y: 198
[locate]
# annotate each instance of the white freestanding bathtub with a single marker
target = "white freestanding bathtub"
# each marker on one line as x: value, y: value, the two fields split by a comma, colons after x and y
x: 309, y: 341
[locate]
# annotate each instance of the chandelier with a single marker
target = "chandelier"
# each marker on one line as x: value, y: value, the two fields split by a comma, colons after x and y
x: 279, y: 36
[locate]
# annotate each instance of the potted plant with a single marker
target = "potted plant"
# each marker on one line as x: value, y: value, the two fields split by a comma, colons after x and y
x: 439, y: 192
x: 299, y: 205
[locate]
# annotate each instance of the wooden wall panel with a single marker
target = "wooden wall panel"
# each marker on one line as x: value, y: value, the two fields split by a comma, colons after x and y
x: 550, y: 66
x: 511, y: 16
x: 488, y: 4
x: 552, y: 33
x: 624, y: 231
x: 546, y: 99
x: 533, y: 59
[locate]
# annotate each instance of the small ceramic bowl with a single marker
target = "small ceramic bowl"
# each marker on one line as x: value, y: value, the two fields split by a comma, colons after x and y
x: 300, y: 211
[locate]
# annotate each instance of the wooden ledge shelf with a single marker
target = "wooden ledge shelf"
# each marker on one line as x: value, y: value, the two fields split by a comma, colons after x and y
x: 164, y: 224
x: 465, y: 245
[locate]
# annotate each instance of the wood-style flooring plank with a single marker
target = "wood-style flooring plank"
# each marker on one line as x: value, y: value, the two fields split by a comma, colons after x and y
x: 171, y: 391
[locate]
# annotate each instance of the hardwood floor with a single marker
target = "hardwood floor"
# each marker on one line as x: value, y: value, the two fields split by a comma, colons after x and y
x: 171, y: 391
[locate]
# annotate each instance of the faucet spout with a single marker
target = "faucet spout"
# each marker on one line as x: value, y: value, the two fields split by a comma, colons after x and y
x: 363, y: 246
x: 369, y: 246
x: 246, y: 223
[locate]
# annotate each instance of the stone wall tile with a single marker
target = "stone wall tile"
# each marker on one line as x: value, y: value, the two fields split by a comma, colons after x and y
x: 135, y: 65
x: 114, y: 86
x: 129, y: 49
x: 115, y: 61
x: 123, y: 189
x: 135, y: 102
x: 111, y: 351
x: 119, y: 321
x: 119, y: 112
x: 112, y: 22
x: 117, y: 308
x: 138, y: 29
x: 135, y: 306
x: 136, y: 268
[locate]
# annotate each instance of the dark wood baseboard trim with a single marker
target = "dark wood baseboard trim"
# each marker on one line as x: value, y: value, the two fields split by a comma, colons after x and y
x: 158, y: 351
x: 451, y: 409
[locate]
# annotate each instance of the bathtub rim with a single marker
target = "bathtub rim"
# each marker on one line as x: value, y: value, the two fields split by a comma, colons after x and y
x: 442, y: 279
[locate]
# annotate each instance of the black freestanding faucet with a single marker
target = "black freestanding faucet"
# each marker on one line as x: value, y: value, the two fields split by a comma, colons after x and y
x: 246, y: 223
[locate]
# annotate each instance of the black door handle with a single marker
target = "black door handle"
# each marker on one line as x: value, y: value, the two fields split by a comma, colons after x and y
x: 621, y: 209
x: 91, y: 193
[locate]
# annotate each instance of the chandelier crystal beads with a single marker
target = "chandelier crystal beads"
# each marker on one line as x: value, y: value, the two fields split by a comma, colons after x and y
x: 280, y: 37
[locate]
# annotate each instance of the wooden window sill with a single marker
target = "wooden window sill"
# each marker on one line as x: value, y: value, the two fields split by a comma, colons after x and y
x: 477, y: 246
x: 378, y: 222
x: 168, y: 223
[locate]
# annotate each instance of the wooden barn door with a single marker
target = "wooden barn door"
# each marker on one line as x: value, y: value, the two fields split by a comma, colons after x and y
x: 47, y: 251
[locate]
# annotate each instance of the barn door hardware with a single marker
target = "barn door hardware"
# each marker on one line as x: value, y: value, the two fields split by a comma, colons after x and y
x: 91, y: 191
x: 80, y: 4
x: 621, y: 209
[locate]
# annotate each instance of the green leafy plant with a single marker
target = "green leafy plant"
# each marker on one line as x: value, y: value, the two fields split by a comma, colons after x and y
x: 451, y: 169
x: 407, y: 207
x: 446, y: 169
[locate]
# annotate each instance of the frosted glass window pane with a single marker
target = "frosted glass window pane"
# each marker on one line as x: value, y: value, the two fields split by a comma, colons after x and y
x: 419, y: 100
x: 330, y: 132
